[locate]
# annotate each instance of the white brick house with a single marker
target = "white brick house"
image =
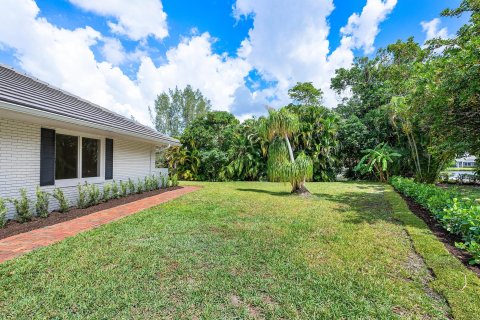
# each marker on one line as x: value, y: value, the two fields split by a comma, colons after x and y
x: 50, y: 138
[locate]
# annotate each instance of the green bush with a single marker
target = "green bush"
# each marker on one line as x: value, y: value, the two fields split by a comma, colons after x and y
x: 82, y: 195
x: 115, y: 190
x: 163, y: 181
x: 62, y: 200
x: 123, y: 189
x: 94, y: 195
x: 107, y: 191
x: 41, y: 206
x: 140, y: 186
x: 174, y: 180
x: 459, y: 215
x: 22, y: 206
x: 3, y: 213
x: 131, y: 186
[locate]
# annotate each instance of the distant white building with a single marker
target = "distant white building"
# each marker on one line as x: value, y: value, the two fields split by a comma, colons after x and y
x: 465, y: 162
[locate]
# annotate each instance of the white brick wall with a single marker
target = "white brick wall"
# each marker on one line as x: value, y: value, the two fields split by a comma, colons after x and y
x: 20, y: 162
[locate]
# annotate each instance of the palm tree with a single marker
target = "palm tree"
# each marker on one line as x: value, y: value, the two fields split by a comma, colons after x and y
x: 376, y: 161
x: 279, y: 127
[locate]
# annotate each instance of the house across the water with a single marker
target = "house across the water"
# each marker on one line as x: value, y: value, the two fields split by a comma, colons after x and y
x: 465, y: 162
x: 51, y: 138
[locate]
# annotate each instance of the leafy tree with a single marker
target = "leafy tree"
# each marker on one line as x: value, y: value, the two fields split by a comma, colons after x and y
x: 175, y: 109
x: 304, y: 93
x: 282, y: 165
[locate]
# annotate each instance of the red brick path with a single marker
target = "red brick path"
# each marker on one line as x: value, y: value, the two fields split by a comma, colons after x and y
x: 19, y: 244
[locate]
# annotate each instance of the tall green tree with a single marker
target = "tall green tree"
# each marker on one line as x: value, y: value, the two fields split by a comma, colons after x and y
x: 176, y: 109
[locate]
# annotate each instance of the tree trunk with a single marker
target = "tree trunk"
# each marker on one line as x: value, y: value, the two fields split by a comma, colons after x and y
x: 290, y: 151
x: 298, y: 188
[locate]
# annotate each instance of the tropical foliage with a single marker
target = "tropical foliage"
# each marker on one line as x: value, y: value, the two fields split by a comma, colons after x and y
x: 459, y: 215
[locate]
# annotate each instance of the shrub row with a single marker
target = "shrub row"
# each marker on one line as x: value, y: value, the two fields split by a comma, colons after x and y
x: 88, y: 195
x: 458, y: 215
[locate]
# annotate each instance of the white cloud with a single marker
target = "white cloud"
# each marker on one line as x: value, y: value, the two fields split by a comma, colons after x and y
x: 289, y: 42
x: 113, y: 51
x: 363, y: 29
x: 65, y: 59
x: 134, y: 19
x: 193, y: 62
x: 432, y: 29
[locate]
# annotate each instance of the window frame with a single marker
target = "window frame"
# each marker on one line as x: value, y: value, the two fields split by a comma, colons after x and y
x: 75, y: 181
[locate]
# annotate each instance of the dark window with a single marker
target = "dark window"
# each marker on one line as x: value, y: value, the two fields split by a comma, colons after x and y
x: 66, y: 159
x: 90, y: 157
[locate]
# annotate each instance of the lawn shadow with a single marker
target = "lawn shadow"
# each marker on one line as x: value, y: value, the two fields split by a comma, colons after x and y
x: 369, y: 207
x: 272, y: 193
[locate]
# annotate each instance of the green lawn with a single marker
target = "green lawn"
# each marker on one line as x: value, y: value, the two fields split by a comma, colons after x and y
x: 467, y: 191
x: 249, y: 250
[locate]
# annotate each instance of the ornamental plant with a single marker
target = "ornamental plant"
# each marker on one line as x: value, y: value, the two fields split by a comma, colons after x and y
x: 3, y: 213
x: 282, y: 166
x: 131, y: 186
x: 107, y: 191
x: 140, y: 186
x: 83, y: 201
x: 41, y: 206
x: 22, y: 206
x: 123, y: 188
x: 94, y: 195
x: 115, y: 190
x: 62, y: 200
x: 458, y: 215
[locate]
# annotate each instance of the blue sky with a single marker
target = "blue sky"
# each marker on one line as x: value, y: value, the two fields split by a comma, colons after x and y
x: 243, y: 54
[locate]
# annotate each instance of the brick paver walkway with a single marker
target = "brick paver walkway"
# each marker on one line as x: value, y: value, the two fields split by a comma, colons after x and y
x: 19, y: 244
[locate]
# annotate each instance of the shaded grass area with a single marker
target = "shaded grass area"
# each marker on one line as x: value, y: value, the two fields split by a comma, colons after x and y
x: 248, y: 250
x: 467, y: 191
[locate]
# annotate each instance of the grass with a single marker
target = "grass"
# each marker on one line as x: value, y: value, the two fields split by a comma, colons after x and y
x: 466, y: 190
x: 249, y: 250
x: 460, y: 169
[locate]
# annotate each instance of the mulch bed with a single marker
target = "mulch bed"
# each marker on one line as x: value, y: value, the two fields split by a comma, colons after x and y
x: 13, y: 227
x: 443, y: 235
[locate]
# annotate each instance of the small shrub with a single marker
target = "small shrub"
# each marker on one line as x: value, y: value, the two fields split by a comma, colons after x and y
x: 156, y: 182
x: 174, y: 180
x: 94, y: 195
x: 115, y: 191
x: 42, y: 203
x: 22, y: 206
x: 164, y: 181
x: 123, y: 189
x: 3, y: 213
x: 83, y: 195
x: 107, y: 191
x: 131, y: 186
x: 140, y: 186
x: 62, y: 200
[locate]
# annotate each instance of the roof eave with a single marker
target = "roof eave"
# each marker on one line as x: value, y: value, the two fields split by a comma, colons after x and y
x: 53, y: 116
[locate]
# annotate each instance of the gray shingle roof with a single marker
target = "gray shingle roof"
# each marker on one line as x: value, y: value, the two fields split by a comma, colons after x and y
x: 21, y: 89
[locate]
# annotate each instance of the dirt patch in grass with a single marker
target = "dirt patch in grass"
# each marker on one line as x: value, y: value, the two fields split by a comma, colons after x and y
x: 13, y: 227
x: 443, y: 235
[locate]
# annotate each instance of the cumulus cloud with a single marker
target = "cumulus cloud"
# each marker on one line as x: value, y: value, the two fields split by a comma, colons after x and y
x: 193, y: 62
x: 289, y: 42
x: 361, y: 30
x: 134, y: 19
x: 432, y: 29
x: 65, y: 59
x: 113, y: 51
